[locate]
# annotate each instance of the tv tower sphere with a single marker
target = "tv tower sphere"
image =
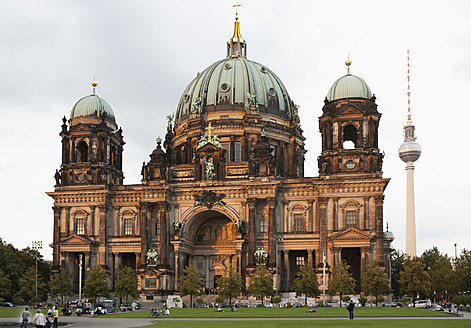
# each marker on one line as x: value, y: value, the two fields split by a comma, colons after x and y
x: 410, y: 150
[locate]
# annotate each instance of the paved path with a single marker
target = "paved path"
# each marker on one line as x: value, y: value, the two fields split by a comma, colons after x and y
x: 105, y: 322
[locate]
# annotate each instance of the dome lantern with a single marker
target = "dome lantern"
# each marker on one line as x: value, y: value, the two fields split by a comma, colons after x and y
x: 236, y: 46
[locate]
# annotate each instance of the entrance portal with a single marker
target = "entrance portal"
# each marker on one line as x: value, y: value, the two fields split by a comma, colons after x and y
x: 352, y: 256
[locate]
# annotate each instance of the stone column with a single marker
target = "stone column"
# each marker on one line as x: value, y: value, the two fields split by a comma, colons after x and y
x: 379, y: 230
x: 102, y: 235
x: 335, y: 226
x: 323, y: 201
x: 366, y: 213
x: 56, y: 238
x: 364, y: 260
x: 271, y: 232
x: 309, y: 257
x: 251, y: 231
x: 286, y: 265
x: 143, y: 233
x: 163, y: 241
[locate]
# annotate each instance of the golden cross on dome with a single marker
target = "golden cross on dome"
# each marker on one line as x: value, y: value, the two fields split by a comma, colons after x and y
x: 209, y: 128
x: 235, y: 6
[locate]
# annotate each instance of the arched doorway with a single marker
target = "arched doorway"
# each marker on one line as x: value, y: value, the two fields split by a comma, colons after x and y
x: 213, y: 237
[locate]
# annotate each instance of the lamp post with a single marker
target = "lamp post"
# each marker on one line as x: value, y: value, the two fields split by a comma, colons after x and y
x: 37, y: 245
x: 323, y: 274
x: 456, y: 255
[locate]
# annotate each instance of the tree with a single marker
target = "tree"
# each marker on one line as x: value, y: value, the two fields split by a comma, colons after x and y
x: 306, y: 282
x: 342, y: 281
x: 462, y: 266
x: 190, y: 284
x: 397, y: 265
x: 230, y: 285
x: 262, y: 283
x: 126, y: 284
x: 440, y: 271
x: 60, y: 285
x: 5, y: 286
x: 414, y: 279
x: 95, y: 285
x: 375, y: 282
x: 27, y: 284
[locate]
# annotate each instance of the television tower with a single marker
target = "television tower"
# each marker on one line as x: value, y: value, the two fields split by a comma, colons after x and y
x: 409, y: 152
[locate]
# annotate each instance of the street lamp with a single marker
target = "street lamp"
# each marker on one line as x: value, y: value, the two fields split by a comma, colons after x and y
x: 455, y: 252
x: 37, y: 245
x: 323, y: 274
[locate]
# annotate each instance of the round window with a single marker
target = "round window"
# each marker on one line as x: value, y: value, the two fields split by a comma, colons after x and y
x: 225, y: 87
x: 263, y: 70
x: 227, y: 66
x: 271, y: 92
x: 350, y: 165
x: 186, y: 98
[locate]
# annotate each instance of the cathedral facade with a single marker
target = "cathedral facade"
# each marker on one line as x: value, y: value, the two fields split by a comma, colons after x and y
x: 226, y: 187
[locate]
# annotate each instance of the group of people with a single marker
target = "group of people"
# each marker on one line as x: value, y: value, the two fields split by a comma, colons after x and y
x: 39, y: 319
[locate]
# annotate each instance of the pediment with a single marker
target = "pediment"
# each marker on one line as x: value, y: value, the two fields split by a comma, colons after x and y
x: 209, y: 148
x: 81, y: 127
x: 76, y: 240
x: 352, y: 110
x: 351, y: 234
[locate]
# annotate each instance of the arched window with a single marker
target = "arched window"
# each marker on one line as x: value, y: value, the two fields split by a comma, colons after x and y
x: 82, y: 151
x: 351, y: 213
x: 128, y: 223
x: 349, y: 137
x: 298, y: 219
x: 80, y: 220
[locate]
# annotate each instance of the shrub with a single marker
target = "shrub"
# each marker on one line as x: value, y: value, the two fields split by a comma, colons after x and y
x: 379, y: 299
x: 363, y: 301
x: 199, y: 301
x: 346, y: 299
x: 405, y: 300
x: 260, y: 305
x: 276, y: 299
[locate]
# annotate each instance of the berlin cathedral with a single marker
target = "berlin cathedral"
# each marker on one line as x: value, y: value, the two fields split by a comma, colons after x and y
x: 226, y: 187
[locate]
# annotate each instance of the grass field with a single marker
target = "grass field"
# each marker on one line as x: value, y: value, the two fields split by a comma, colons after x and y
x: 400, y: 323
x: 290, y: 313
x: 262, y: 313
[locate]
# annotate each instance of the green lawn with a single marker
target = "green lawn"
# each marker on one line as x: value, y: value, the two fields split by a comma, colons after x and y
x: 400, y: 323
x: 290, y: 313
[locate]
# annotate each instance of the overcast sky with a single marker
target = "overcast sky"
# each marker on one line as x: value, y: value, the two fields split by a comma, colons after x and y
x: 144, y: 54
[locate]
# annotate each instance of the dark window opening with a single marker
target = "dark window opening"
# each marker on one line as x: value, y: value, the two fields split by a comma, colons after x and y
x: 82, y: 149
x: 349, y: 134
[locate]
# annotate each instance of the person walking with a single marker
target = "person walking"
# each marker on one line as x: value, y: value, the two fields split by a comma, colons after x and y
x: 39, y: 319
x: 55, y: 324
x: 350, y: 308
x: 24, y: 318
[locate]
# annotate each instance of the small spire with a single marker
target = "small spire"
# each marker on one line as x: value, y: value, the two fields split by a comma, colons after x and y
x: 236, y: 45
x: 158, y: 140
x: 348, y: 62
x: 94, y: 84
x: 387, y: 226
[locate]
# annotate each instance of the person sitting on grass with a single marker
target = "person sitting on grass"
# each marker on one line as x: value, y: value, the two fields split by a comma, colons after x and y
x: 166, y: 312
x: 220, y: 309
x: 233, y: 309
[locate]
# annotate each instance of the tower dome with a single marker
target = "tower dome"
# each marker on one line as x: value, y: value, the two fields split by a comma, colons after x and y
x: 92, y: 105
x: 235, y: 83
x: 349, y: 86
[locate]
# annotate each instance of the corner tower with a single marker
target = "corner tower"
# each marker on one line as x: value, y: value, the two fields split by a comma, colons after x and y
x: 349, y: 128
x: 92, y: 144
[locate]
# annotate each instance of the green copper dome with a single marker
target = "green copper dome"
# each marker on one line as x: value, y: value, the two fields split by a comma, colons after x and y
x: 92, y: 106
x: 349, y: 86
x: 236, y: 83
